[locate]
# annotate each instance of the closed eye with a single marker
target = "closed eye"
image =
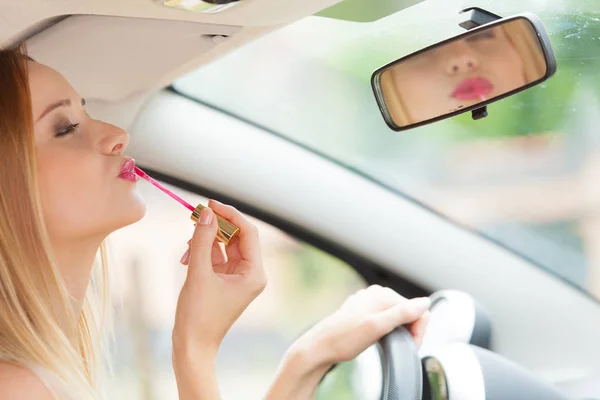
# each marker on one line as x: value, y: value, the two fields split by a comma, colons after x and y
x: 67, y: 130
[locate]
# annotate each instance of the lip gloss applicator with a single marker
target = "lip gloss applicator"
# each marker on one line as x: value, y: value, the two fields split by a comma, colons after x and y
x: 227, y: 230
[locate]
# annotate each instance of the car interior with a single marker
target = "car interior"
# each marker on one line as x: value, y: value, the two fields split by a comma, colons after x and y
x: 284, y: 110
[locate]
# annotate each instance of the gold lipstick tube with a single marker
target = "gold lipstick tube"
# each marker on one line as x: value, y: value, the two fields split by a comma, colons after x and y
x: 227, y: 230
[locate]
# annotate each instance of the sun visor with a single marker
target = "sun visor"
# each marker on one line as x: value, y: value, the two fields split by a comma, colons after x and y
x: 109, y: 58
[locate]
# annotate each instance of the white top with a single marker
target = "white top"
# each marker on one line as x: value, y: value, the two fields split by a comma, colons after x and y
x: 51, y: 382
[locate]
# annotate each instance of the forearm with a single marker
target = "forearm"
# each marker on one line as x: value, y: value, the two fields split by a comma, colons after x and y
x: 298, y: 376
x: 196, y: 376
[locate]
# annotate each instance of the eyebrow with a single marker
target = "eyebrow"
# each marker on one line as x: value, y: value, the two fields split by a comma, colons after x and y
x: 58, y: 104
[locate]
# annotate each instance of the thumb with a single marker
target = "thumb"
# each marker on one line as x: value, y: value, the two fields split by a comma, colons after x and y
x: 401, y: 314
x: 202, y: 240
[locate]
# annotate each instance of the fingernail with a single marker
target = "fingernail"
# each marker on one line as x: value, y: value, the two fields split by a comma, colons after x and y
x: 206, y: 217
x: 420, y: 304
x: 185, y: 255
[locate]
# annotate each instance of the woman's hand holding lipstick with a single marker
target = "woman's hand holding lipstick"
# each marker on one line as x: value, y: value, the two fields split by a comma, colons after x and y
x: 218, y: 288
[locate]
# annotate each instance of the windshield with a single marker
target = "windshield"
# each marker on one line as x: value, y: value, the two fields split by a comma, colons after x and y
x: 526, y: 176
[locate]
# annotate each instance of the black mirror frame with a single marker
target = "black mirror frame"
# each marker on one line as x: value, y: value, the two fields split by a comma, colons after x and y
x: 544, y: 41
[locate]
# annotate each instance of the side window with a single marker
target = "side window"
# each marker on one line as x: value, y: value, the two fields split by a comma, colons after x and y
x: 305, y: 285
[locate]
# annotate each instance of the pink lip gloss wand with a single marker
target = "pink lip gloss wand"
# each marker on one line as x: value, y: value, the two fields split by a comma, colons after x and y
x: 227, y: 230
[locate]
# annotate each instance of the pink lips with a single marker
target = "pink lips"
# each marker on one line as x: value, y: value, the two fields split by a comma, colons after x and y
x: 128, y: 171
x: 473, y: 88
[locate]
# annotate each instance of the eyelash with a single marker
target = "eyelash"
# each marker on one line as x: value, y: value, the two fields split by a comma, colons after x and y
x: 67, y: 131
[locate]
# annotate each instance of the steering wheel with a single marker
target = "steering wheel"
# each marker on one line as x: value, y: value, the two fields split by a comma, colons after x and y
x: 474, y: 373
x: 454, y: 367
x: 402, y: 368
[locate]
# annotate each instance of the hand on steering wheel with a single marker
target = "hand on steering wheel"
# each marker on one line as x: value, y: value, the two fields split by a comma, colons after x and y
x: 363, y: 319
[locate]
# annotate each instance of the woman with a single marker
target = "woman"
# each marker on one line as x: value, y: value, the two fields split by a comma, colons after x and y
x: 61, y: 195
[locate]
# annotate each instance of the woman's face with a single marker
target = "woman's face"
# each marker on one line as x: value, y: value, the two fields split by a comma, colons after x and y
x: 459, y: 74
x: 79, y: 163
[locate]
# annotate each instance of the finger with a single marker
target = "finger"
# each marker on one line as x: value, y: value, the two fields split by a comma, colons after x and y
x: 202, y: 242
x: 218, y: 254
x: 222, y: 269
x: 185, y: 258
x: 417, y: 328
x: 233, y: 250
x: 385, y: 297
x: 401, y: 314
x: 249, y: 246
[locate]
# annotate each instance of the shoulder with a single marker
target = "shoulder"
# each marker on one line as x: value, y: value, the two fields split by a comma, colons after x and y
x: 21, y: 383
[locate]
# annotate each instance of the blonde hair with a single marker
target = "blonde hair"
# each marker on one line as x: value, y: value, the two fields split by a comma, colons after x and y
x: 37, y: 320
x: 522, y: 37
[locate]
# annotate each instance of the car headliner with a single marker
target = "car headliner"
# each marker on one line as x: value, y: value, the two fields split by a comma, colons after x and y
x: 112, y: 50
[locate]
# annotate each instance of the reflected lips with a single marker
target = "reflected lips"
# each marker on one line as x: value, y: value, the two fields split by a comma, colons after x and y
x: 128, y: 171
x: 473, y: 88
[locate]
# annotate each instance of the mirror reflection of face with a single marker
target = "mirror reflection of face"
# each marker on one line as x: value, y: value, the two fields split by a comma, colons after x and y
x: 459, y: 74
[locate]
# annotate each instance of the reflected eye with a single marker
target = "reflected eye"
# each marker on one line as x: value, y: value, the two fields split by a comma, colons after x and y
x: 66, y: 130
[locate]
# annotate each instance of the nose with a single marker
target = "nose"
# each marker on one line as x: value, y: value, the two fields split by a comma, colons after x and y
x: 462, y: 61
x: 114, y: 141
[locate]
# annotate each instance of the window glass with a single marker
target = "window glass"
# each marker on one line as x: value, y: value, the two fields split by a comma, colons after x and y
x: 526, y: 176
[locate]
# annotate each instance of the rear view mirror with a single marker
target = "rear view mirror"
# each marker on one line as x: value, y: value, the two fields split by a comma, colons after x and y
x: 464, y: 73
